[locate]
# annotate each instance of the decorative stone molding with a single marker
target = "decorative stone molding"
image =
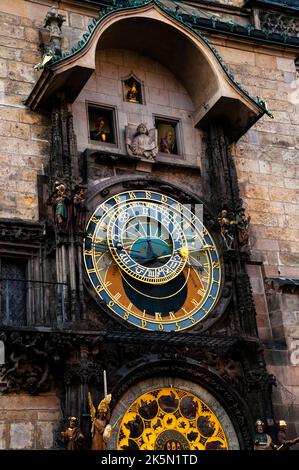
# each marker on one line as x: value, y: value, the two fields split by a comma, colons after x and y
x: 21, y: 231
x: 277, y: 22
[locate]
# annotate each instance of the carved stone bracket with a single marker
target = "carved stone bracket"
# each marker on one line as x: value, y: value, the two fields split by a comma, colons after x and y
x: 84, y: 371
x: 282, y: 285
x: 27, y: 365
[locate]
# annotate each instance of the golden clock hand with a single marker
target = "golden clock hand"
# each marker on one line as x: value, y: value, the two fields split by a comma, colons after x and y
x: 163, y: 256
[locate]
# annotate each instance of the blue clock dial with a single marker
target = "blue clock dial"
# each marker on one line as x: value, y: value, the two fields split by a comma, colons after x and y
x: 151, y: 260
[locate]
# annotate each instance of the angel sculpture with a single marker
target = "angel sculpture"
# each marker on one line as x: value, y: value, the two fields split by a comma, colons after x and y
x: 101, y: 430
x: 142, y: 142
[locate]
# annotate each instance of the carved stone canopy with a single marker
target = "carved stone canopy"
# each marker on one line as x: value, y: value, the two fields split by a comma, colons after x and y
x: 213, y: 91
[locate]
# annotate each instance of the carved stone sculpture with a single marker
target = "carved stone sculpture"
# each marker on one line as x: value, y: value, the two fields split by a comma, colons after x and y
x: 60, y: 204
x: 80, y: 208
x: 142, y: 142
x: 283, y: 443
x: 100, y: 430
x: 227, y: 227
x: 73, y: 437
x: 53, y: 22
x: 262, y: 441
x: 243, y: 222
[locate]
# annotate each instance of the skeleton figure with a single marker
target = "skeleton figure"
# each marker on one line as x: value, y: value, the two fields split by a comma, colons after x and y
x: 228, y: 228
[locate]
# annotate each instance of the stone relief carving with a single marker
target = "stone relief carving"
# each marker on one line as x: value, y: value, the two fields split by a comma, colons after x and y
x: 279, y: 23
x: 141, y: 142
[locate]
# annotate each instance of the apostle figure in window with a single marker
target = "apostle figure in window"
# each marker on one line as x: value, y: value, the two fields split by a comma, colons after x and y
x: 73, y: 437
x: 132, y: 94
x: 102, y: 131
x: 167, y: 143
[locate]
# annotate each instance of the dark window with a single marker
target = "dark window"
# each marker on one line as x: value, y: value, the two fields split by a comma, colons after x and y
x: 101, y: 124
x: 167, y: 136
x: 13, y: 291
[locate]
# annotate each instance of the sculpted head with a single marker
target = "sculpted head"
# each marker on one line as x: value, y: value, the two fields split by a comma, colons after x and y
x: 73, y: 421
x: 142, y: 129
x: 259, y: 426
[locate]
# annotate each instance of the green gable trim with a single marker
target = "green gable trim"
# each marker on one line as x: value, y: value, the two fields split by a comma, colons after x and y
x: 192, y: 22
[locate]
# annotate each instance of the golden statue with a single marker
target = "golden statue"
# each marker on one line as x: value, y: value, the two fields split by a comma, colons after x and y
x: 101, y: 430
x: 283, y: 443
x: 132, y: 94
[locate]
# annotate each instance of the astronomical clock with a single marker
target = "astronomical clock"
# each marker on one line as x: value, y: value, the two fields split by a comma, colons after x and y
x: 152, y: 261
x: 171, y: 419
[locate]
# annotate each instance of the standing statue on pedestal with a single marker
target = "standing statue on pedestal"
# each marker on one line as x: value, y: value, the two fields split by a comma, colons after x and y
x: 79, y: 208
x: 73, y: 437
x: 227, y: 228
x: 142, y: 142
x: 262, y: 440
x: 101, y: 430
x: 242, y: 227
x: 60, y: 204
x: 282, y: 442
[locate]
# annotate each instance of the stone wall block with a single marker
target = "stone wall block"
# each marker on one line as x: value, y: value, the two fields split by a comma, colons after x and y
x: 76, y: 20
x: 257, y: 192
x: 11, y: 30
x: 3, y: 435
x: 21, y: 72
x: 32, y: 35
x: 45, y: 435
x: 3, y: 68
x: 21, y: 435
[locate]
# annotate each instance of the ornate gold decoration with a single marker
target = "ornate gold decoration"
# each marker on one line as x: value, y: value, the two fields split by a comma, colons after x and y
x: 170, y: 419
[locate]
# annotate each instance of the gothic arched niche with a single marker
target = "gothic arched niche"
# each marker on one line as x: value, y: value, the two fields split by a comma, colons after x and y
x: 133, y: 89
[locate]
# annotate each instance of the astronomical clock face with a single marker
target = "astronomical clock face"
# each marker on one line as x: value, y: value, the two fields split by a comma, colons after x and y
x: 170, y: 419
x: 153, y: 263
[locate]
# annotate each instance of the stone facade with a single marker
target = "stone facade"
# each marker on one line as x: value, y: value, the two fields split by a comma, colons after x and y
x: 28, y: 422
x: 266, y: 158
